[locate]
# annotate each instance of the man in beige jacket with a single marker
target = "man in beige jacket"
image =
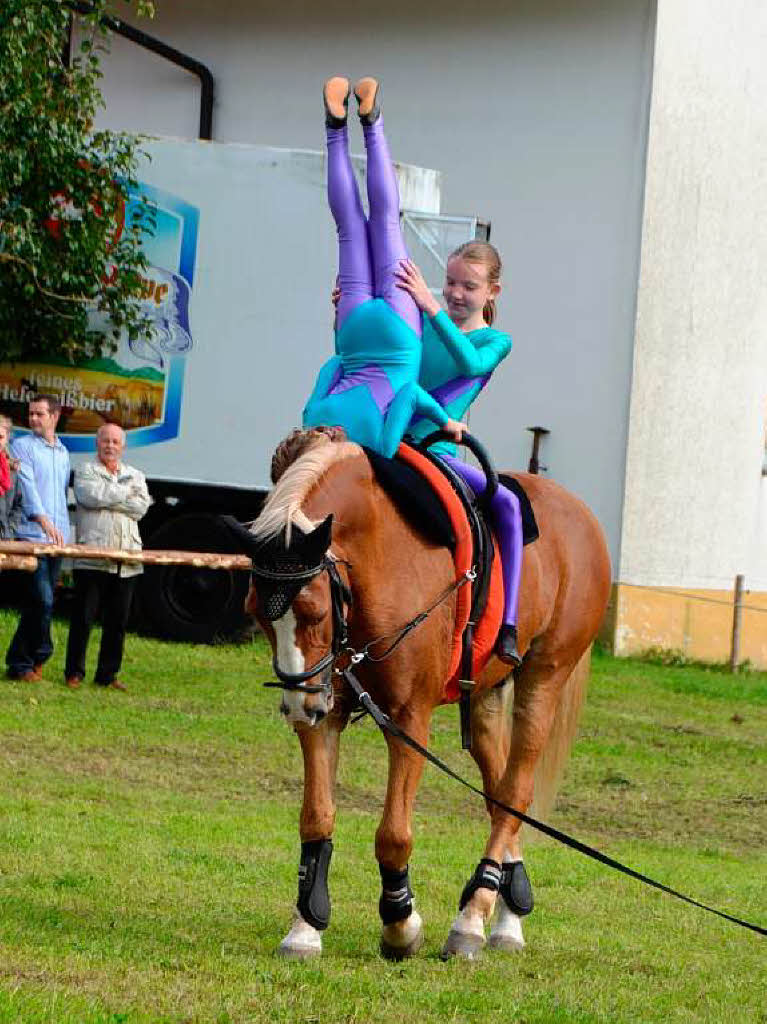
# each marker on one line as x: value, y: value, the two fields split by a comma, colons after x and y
x: 111, y: 498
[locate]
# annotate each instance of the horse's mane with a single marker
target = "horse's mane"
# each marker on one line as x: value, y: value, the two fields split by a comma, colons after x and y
x: 299, y: 464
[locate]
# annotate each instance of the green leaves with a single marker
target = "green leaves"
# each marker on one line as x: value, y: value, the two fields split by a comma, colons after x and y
x: 64, y: 251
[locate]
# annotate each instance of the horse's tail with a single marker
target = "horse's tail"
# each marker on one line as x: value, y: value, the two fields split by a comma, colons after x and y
x: 551, y: 763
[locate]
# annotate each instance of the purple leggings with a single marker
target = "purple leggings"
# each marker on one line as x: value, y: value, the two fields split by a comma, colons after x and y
x: 369, y: 251
x: 507, y: 521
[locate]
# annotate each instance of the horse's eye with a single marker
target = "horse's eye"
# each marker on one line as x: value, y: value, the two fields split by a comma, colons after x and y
x: 310, y: 609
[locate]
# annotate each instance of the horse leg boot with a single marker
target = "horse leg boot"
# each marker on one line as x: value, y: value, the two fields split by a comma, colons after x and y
x: 402, y: 933
x: 319, y: 745
x: 490, y: 738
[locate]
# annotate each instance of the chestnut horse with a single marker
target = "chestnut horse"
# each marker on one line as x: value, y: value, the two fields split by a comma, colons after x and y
x: 328, y: 528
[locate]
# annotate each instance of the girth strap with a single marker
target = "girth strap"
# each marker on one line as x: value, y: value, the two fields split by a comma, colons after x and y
x: 483, y: 563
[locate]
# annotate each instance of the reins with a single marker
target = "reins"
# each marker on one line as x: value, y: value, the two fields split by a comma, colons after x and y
x: 364, y: 652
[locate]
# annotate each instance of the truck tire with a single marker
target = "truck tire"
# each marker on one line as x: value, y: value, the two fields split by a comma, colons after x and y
x: 181, y: 602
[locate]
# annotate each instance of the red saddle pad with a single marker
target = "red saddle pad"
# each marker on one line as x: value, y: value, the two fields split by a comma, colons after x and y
x: 486, y: 630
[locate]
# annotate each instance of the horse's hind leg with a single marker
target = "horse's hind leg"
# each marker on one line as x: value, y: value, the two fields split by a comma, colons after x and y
x: 319, y: 746
x: 537, y: 697
x: 537, y: 691
x: 490, y: 739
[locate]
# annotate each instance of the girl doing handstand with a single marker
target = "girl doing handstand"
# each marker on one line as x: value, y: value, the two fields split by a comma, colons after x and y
x: 370, y: 387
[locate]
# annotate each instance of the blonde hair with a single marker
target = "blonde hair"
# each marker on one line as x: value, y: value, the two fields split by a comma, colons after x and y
x: 487, y: 256
x: 312, y: 459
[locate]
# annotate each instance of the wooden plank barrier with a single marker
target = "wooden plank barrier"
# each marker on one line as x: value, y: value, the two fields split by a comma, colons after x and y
x: 27, y: 563
x: 197, y: 559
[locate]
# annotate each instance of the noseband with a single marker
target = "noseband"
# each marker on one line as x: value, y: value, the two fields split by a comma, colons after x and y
x: 287, y: 585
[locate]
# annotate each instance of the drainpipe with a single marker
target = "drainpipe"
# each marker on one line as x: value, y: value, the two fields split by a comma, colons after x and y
x: 162, y: 49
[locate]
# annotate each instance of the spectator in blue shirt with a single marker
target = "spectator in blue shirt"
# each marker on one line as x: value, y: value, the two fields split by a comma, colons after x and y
x: 44, y: 476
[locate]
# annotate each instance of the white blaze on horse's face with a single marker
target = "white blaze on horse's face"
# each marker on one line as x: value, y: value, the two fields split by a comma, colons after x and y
x: 298, y: 707
x: 290, y: 658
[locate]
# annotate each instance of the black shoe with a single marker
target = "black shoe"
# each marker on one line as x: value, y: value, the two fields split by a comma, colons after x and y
x: 335, y: 96
x: 506, y: 646
x: 366, y: 94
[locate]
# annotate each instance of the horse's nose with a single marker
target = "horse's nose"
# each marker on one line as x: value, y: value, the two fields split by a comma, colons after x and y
x: 319, y: 714
x: 284, y: 709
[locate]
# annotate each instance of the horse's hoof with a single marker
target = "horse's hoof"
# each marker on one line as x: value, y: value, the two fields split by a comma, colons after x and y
x: 289, y: 952
x: 303, y: 942
x: 396, y: 953
x: 463, y: 945
x: 402, y: 939
x: 505, y: 943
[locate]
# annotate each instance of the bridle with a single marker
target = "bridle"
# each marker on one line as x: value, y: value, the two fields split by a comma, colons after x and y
x: 340, y: 600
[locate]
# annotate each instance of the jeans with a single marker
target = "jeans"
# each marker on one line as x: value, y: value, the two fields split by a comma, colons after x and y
x: 111, y: 593
x: 32, y: 644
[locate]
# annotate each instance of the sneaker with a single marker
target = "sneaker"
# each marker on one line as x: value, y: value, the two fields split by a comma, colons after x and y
x: 114, y: 685
x: 73, y: 682
x: 30, y: 676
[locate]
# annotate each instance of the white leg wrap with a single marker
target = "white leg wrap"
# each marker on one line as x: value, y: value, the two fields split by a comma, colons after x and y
x: 469, y: 922
x: 402, y: 933
x: 302, y: 941
x: 506, y: 931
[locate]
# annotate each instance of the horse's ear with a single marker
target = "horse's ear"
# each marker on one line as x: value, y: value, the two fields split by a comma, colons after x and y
x: 318, y: 541
x: 241, y: 534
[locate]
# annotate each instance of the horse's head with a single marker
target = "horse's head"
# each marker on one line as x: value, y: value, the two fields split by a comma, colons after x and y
x: 298, y: 598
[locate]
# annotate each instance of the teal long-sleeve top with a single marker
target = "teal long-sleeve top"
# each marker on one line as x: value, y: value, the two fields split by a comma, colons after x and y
x: 454, y: 369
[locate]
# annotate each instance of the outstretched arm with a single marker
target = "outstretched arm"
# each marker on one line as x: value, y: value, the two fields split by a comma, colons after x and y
x: 472, y: 362
x: 429, y: 407
x: 411, y: 400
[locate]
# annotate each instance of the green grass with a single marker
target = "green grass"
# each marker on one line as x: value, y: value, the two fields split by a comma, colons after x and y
x: 148, y: 854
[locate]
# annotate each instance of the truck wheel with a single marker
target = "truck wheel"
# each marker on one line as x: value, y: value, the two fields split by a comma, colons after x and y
x: 181, y: 602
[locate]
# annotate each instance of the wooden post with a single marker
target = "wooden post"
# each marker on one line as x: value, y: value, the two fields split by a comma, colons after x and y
x: 198, y: 559
x: 26, y: 563
x: 534, y: 465
x: 737, y: 614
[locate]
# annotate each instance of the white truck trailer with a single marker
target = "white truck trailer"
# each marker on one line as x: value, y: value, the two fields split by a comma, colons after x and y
x: 242, y: 261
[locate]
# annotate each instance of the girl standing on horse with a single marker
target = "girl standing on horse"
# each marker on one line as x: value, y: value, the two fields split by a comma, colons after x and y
x: 370, y: 387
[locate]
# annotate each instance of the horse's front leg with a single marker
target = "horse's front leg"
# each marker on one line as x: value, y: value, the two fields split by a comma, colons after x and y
x: 402, y: 933
x: 319, y: 746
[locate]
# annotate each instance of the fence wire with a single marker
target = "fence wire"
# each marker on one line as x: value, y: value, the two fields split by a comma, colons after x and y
x: 693, y: 597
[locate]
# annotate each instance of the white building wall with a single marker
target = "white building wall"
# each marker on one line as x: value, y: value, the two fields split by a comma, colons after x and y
x: 535, y: 113
x: 695, y: 510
